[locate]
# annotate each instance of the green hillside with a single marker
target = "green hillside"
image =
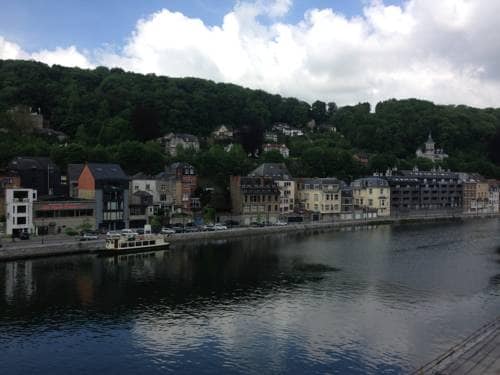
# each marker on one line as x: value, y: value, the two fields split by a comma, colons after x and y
x: 112, y: 115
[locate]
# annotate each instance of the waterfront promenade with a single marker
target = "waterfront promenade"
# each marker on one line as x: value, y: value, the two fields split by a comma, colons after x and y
x: 64, y: 245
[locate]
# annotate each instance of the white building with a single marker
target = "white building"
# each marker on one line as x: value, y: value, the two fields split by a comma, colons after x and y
x: 160, y: 187
x: 287, y: 130
x: 494, y: 199
x: 430, y: 151
x: 282, y: 149
x: 186, y: 141
x: 19, y: 210
x: 222, y: 132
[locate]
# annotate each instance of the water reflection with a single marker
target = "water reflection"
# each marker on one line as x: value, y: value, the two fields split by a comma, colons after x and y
x: 374, y: 300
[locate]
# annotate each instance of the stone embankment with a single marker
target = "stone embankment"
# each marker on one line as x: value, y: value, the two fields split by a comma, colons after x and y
x: 28, y: 249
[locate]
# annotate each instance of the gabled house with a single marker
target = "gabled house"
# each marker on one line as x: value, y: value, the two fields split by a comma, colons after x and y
x: 255, y: 199
x: 38, y: 173
x: 222, y: 133
x: 279, y: 173
x: 72, y: 175
x: 180, y: 182
x: 281, y: 148
x: 108, y: 185
x: 172, y: 140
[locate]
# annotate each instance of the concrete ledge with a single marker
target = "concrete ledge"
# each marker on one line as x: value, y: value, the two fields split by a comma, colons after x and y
x: 65, y: 248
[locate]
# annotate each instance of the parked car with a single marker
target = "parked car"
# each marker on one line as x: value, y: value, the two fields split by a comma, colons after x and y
x: 231, y: 223
x: 178, y: 229
x: 167, y: 231
x: 257, y: 224
x: 89, y: 236
x: 24, y: 236
x: 281, y: 223
x: 208, y: 227
x: 220, y: 227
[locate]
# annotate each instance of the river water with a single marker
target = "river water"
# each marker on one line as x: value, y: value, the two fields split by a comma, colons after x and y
x: 383, y: 299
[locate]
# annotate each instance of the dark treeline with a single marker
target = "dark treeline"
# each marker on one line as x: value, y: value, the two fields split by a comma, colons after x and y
x: 112, y: 115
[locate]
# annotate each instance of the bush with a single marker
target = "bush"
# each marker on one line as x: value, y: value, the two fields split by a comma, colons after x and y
x: 70, y: 232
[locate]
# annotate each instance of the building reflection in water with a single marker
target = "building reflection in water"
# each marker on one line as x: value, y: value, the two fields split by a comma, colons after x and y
x: 19, y: 281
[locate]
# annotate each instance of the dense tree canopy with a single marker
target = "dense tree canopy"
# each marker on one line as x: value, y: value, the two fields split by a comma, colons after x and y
x: 112, y: 115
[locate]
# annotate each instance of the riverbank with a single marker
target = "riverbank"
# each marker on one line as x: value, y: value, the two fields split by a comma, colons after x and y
x: 69, y: 246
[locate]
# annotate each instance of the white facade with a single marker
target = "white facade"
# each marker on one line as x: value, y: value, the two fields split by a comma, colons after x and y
x: 287, y: 130
x: 282, y: 149
x: 431, y: 152
x: 161, y: 190
x: 494, y: 199
x: 19, y: 210
x: 186, y: 141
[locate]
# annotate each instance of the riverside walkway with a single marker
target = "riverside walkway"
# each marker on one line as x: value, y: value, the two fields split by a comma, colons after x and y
x: 478, y: 354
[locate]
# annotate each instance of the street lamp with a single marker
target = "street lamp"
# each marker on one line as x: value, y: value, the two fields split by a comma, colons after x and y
x: 43, y: 230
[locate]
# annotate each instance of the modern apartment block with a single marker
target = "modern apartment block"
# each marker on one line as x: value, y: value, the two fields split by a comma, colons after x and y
x: 19, y: 211
x: 425, y: 190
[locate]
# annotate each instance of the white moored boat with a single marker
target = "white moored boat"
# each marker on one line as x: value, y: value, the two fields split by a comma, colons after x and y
x: 128, y: 241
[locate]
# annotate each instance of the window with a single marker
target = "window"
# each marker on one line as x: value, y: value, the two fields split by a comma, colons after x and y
x: 336, y: 196
x: 316, y: 197
x: 148, y: 187
x: 370, y: 202
x: 21, y: 220
x: 370, y: 191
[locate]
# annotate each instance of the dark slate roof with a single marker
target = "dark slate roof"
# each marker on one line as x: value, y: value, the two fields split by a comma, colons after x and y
x: 74, y: 171
x: 161, y: 176
x: 370, y: 182
x: 28, y: 163
x: 321, y: 181
x: 172, y: 168
x: 429, y: 174
x: 142, y: 176
x: 277, y: 171
x: 102, y: 171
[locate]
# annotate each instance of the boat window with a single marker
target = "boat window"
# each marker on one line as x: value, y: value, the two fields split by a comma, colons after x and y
x: 151, y: 242
x: 123, y: 245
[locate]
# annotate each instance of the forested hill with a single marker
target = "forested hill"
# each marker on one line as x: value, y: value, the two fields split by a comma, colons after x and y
x: 107, y: 111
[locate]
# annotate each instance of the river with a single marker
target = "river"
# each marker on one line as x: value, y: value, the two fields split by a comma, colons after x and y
x: 383, y: 299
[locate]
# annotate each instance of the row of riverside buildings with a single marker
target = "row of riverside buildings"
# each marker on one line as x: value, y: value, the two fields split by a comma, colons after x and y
x: 36, y: 197
x: 270, y: 193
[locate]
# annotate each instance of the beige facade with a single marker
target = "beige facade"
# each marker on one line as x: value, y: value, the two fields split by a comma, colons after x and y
x: 372, y: 193
x: 480, y: 196
x: 320, y: 195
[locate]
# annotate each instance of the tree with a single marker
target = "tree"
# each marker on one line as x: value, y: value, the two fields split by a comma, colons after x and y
x: 318, y: 111
x: 145, y: 123
x: 272, y: 157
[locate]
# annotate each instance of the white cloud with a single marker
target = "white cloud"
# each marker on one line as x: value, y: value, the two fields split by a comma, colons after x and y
x: 9, y: 50
x: 446, y: 51
x: 63, y: 56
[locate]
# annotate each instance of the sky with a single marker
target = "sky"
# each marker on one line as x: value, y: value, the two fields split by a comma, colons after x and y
x: 347, y: 51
